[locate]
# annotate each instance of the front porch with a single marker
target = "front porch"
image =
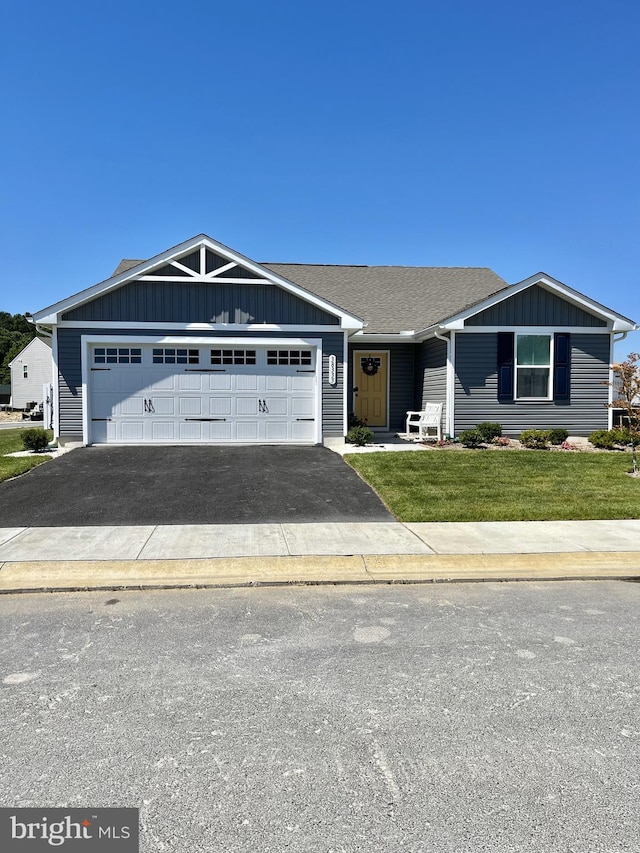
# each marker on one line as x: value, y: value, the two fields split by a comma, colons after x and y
x: 387, y: 441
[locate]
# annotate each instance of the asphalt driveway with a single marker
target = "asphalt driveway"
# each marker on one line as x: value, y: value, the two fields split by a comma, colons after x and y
x: 189, y: 485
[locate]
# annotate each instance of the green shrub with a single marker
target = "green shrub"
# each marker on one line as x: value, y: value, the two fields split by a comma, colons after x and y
x: 558, y: 435
x: 535, y: 439
x: 602, y: 438
x: 359, y: 435
x: 489, y: 430
x: 471, y: 437
x: 34, y: 439
x: 355, y: 421
x: 622, y: 436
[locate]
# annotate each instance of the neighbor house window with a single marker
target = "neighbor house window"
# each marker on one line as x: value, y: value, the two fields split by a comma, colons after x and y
x: 25, y: 371
x: 533, y: 367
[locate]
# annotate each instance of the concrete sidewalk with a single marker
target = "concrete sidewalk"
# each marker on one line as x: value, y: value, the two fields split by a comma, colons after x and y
x: 114, y: 557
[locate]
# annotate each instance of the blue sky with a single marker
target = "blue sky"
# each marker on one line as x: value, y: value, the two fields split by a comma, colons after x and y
x: 456, y: 133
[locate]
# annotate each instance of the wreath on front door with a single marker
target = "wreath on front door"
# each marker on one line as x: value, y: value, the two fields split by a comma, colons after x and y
x: 370, y: 366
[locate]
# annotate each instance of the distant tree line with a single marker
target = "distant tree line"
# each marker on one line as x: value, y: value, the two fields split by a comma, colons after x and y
x: 15, y: 333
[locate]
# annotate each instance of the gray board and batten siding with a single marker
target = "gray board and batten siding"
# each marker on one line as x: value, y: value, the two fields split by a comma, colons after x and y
x: 70, y: 373
x: 431, y: 376
x: 535, y: 306
x: 196, y: 302
x: 476, y: 388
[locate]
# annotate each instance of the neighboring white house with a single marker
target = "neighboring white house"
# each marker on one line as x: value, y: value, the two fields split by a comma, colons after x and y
x: 30, y: 369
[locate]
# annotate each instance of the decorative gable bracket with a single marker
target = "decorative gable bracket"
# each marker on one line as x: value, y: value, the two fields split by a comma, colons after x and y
x: 200, y: 259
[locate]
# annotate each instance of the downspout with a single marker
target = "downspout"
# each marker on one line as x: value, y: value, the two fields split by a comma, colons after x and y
x: 448, y: 395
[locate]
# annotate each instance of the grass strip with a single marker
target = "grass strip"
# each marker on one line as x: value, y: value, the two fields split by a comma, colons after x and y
x: 12, y: 466
x: 490, y: 485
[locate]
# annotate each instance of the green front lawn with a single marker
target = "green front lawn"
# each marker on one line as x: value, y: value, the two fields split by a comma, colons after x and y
x: 492, y: 485
x: 10, y: 442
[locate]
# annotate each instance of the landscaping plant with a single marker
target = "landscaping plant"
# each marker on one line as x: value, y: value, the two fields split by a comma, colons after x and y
x: 489, y: 430
x: 13, y: 466
x: 603, y: 438
x: 355, y: 421
x: 558, y: 435
x: 622, y: 436
x: 35, y: 440
x: 535, y: 439
x: 359, y: 435
x: 471, y: 438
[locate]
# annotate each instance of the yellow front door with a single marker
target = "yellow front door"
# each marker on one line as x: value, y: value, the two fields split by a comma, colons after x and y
x: 370, y: 387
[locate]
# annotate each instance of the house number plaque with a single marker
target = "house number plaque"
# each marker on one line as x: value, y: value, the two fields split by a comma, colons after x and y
x: 333, y: 370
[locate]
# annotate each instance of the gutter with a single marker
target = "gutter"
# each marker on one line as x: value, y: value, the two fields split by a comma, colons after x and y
x: 40, y: 330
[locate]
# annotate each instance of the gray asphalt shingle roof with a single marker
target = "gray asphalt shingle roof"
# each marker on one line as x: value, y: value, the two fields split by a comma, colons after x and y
x: 396, y: 299
x: 389, y: 299
x: 124, y: 265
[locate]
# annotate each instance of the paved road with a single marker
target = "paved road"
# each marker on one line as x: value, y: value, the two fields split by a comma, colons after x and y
x: 189, y: 485
x: 457, y: 719
x: 19, y: 424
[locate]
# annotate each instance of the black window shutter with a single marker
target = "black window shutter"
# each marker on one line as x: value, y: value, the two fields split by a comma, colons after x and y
x: 505, y: 365
x: 561, y: 366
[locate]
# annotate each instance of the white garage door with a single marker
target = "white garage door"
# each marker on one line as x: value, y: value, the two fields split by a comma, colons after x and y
x: 156, y: 393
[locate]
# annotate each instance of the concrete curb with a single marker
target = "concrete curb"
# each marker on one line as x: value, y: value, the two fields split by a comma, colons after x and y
x: 74, y: 576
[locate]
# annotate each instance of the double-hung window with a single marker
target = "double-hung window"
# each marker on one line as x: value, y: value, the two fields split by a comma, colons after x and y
x: 533, y: 360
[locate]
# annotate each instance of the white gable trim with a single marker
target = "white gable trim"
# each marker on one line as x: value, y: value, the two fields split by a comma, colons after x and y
x: 615, y: 322
x: 50, y: 314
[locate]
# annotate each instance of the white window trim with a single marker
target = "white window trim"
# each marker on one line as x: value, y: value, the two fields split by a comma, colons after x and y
x: 526, y: 333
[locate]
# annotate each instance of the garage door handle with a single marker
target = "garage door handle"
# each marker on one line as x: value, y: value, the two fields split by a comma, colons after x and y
x: 205, y: 419
x: 305, y: 419
x: 202, y: 369
x: 305, y: 371
x: 100, y: 419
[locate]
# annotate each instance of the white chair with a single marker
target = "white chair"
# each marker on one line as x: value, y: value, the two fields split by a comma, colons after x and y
x: 429, y: 419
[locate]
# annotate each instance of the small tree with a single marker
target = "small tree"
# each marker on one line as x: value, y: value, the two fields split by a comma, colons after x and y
x: 626, y: 386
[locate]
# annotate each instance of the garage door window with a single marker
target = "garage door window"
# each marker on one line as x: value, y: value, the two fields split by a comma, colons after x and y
x: 117, y: 355
x: 172, y: 355
x: 289, y: 356
x: 233, y: 356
